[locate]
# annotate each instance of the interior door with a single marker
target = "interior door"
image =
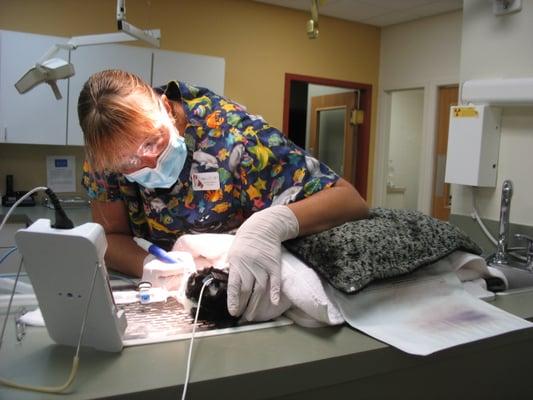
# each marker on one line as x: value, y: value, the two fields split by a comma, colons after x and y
x: 333, y: 132
x: 448, y: 96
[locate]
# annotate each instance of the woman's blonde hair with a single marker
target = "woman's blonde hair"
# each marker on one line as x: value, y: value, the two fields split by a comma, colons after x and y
x: 116, y: 110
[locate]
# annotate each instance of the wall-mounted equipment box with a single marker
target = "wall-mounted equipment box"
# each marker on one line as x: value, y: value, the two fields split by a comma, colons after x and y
x: 498, y: 92
x: 473, y: 145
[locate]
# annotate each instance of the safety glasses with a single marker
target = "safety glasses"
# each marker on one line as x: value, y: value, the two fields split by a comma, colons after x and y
x: 150, y: 148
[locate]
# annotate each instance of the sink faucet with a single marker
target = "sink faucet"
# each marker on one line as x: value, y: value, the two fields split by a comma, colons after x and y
x: 500, y: 257
x: 529, y: 250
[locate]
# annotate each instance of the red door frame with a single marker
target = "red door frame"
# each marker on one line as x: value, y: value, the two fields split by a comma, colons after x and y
x: 363, y: 133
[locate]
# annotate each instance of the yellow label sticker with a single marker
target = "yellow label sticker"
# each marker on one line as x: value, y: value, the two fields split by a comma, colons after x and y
x: 465, y: 112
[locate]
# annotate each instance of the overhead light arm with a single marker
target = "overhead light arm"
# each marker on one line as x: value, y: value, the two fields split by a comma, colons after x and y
x: 103, y: 38
x: 149, y: 36
x: 48, y: 69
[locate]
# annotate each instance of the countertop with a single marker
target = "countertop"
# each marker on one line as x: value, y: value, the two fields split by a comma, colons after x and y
x: 78, y: 215
x: 284, y: 362
x: 288, y: 362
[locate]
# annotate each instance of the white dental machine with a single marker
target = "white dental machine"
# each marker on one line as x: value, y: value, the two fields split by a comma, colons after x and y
x: 67, y: 270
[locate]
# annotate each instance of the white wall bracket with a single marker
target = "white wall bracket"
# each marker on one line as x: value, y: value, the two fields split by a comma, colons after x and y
x: 504, y: 7
x: 498, y: 92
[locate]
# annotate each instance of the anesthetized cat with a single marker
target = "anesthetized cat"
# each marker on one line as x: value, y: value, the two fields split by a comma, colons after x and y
x: 213, y: 307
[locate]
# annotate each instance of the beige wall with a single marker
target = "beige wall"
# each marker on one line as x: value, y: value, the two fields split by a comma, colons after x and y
x: 424, y: 54
x: 260, y: 43
x: 27, y: 163
x: 419, y: 51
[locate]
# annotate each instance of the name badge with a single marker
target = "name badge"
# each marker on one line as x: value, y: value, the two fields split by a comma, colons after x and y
x: 205, y: 181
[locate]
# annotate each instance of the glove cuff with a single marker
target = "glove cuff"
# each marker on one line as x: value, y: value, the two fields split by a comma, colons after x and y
x: 292, y: 226
x: 277, y: 222
x: 149, y: 257
x: 280, y: 218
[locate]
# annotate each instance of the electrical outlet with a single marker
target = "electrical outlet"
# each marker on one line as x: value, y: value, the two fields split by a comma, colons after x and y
x: 504, y: 7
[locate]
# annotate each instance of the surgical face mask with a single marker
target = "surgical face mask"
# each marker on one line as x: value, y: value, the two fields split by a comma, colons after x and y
x: 168, y: 168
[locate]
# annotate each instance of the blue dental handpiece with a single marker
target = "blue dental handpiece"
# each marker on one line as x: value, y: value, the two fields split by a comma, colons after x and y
x: 151, y: 248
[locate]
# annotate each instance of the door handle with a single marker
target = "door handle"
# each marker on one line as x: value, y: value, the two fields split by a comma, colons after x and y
x: 448, y: 205
x: 439, y: 176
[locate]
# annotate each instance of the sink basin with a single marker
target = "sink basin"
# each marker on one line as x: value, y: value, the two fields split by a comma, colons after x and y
x: 517, y: 276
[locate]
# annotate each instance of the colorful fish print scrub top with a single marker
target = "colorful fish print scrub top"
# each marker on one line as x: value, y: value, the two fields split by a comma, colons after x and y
x: 236, y: 165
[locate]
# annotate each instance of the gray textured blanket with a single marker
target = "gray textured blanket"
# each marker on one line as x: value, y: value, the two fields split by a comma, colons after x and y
x: 387, y: 244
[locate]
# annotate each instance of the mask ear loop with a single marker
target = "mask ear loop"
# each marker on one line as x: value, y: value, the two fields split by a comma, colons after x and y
x: 167, y: 122
x: 170, y: 111
x: 155, y: 142
x: 207, y: 281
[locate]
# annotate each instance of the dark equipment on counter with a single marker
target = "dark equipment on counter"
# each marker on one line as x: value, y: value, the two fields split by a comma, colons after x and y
x: 12, y: 196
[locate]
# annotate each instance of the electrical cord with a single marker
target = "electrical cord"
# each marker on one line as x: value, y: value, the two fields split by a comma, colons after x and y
x: 475, y: 215
x: 43, y: 389
x: 8, y: 214
x: 62, y: 222
x: 9, y: 304
x: 15, y: 205
x: 12, y: 275
x: 185, y: 384
x: 7, y: 254
x: 47, y: 389
x: 75, y: 359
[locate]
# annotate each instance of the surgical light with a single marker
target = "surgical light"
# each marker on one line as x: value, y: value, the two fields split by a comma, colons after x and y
x: 49, y: 70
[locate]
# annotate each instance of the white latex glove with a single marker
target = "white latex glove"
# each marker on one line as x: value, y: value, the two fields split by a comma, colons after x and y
x: 165, y: 275
x: 255, y: 259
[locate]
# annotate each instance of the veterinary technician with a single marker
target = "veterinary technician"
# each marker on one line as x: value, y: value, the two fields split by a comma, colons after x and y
x: 179, y: 159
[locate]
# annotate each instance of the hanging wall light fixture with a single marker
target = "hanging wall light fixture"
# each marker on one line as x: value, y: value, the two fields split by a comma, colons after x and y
x: 312, y: 24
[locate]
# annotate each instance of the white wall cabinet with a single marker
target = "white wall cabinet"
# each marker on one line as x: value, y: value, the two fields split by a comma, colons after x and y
x: 38, y: 118
x: 91, y: 59
x: 35, y: 117
x: 198, y: 70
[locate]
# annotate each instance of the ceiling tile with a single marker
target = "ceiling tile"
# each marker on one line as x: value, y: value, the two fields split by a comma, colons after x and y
x: 391, y: 18
x: 297, y: 4
x: 374, y: 12
x: 396, y: 4
x: 438, y: 7
x: 352, y: 10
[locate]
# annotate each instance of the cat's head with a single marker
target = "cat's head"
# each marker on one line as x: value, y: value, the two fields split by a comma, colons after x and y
x: 213, y: 307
